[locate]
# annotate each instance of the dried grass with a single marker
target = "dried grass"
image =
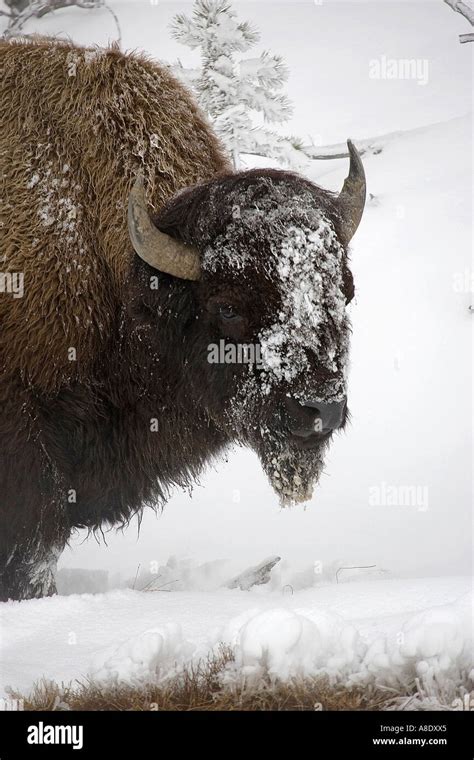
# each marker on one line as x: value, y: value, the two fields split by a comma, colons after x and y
x: 200, y: 687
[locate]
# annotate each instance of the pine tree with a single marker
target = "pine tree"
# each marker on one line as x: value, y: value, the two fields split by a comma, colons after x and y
x: 240, y: 95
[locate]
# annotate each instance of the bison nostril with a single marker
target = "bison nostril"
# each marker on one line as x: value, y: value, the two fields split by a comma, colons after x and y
x: 315, y: 416
x: 302, y: 421
x: 331, y: 414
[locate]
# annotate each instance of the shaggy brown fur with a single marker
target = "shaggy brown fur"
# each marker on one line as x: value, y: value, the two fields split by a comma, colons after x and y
x: 77, y: 126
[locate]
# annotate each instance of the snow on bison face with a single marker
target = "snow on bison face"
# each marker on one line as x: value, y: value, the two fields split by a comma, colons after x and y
x: 281, y: 335
x: 269, y: 334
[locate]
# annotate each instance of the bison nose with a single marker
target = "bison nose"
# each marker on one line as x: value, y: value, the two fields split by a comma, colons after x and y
x: 309, y: 417
x: 331, y: 415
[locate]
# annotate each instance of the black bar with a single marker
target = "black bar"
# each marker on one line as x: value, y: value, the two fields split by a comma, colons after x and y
x: 151, y: 734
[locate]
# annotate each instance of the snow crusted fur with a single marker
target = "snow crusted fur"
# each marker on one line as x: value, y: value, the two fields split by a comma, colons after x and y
x: 77, y: 126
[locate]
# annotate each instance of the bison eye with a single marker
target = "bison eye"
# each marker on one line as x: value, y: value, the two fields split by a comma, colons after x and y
x: 228, y: 313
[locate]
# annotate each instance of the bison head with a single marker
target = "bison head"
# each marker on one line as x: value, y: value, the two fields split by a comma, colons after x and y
x: 262, y: 255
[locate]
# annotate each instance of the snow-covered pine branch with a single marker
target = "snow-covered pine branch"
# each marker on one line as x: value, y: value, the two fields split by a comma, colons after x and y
x: 240, y: 95
x: 188, y: 76
x: 213, y: 22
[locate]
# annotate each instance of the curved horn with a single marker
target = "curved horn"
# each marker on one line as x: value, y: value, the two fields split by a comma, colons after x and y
x: 351, y: 199
x: 155, y: 247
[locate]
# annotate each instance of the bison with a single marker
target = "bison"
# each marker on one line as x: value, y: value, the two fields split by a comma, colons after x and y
x: 130, y: 251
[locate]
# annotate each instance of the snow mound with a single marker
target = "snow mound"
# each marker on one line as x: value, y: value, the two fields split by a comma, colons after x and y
x: 280, y: 643
x: 152, y: 655
x: 436, y: 645
x: 433, y: 647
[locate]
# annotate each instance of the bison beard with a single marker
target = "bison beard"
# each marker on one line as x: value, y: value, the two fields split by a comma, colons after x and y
x: 292, y: 472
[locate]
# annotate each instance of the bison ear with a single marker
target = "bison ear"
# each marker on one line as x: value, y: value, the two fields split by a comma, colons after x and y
x: 351, y: 199
x: 159, y: 250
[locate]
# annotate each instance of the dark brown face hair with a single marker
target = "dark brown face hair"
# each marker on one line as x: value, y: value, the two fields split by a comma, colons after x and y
x: 229, y: 314
x: 238, y: 316
x: 199, y: 215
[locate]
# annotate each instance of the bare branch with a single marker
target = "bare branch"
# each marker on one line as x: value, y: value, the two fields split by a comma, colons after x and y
x: 463, y: 8
x: 352, y: 567
x: 54, y: 5
x: 254, y: 576
x: 312, y: 152
x: 367, y: 145
x: 117, y: 23
x: 466, y: 10
x: 40, y: 8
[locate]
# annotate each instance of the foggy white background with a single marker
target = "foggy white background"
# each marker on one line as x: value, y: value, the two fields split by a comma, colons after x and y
x: 411, y: 377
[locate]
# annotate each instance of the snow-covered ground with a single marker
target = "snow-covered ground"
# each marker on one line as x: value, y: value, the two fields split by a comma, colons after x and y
x: 384, y: 632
